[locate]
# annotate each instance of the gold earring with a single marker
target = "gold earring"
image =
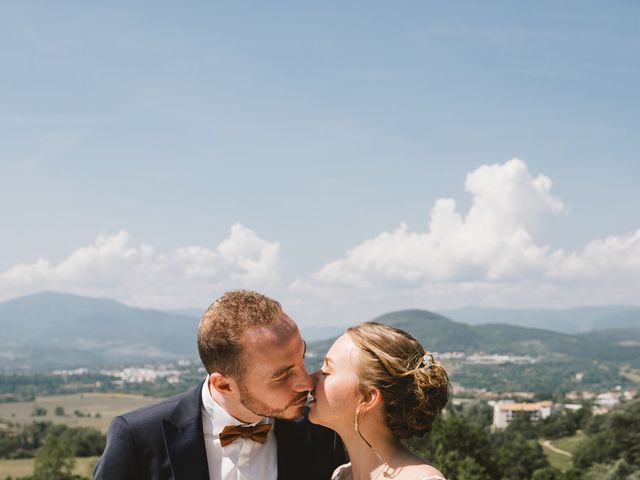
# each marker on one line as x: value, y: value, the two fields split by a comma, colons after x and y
x: 357, y: 425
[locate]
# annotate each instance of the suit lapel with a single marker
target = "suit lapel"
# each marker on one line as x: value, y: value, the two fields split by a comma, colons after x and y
x: 307, y: 451
x: 184, y: 439
x: 293, y: 449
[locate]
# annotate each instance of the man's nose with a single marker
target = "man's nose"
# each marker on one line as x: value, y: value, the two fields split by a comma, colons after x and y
x: 304, y: 382
x: 315, y: 376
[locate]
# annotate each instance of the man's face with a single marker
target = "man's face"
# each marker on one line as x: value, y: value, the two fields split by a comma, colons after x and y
x: 275, y: 383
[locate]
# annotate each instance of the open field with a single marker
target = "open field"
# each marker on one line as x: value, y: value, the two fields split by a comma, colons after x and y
x: 561, y: 462
x: 98, y: 408
x: 24, y: 467
x: 567, y: 444
x: 631, y: 374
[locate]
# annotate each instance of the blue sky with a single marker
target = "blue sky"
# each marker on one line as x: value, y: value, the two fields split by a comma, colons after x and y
x: 317, y: 127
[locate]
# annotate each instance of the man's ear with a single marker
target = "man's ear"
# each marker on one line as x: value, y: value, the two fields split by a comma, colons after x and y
x: 371, y: 400
x: 222, y: 384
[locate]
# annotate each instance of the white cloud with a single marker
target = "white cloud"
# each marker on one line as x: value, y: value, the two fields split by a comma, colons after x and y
x: 487, y: 256
x: 612, y: 259
x: 115, y: 267
x: 491, y: 242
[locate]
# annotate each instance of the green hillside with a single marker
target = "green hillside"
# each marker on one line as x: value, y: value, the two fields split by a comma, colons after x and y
x: 571, y: 320
x: 564, y: 362
x: 434, y: 331
x: 56, y: 330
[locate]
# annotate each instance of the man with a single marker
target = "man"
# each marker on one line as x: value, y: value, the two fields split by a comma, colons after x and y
x: 240, y: 423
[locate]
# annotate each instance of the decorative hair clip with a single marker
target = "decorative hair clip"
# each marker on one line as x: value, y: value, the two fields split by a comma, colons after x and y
x: 426, y: 360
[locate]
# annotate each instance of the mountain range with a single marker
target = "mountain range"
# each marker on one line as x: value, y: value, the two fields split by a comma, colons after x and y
x: 52, y: 330
x: 572, y: 320
x: 440, y: 334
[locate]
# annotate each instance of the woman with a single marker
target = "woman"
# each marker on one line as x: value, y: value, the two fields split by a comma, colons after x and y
x: 377, y: 385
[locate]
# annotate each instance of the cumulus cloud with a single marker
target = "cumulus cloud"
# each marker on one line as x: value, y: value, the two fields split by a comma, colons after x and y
x: 116, y: 267
x: 611, y: 259
x: 492, y: 241
x: 487, y: 255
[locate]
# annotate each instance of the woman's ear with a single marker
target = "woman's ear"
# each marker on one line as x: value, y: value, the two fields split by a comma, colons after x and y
x: 371, y: 400
x: 222, y: 384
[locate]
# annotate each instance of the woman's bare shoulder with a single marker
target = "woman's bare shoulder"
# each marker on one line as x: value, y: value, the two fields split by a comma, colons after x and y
x: 422, y: 471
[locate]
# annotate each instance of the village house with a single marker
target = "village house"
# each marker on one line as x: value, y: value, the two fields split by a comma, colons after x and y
x: 505, y: 411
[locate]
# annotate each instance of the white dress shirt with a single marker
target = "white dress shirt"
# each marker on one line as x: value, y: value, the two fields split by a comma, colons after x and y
x: 243, y: 459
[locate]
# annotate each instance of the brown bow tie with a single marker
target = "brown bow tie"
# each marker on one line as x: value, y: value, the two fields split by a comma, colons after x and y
x: 231, y: 433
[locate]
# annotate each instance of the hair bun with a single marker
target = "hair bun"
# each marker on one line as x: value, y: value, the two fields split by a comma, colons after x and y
x: 414, y: 385
x: 430, y: 394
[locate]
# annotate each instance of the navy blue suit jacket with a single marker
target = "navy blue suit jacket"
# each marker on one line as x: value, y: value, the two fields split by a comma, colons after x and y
x: 165, y: 441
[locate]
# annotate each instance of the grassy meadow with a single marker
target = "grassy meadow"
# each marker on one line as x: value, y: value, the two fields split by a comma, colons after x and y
x: 568, y: 444
x: 24, y: 467
x: 95, y: 409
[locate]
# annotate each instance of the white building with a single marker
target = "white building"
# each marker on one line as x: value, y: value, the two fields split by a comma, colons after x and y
x: 504, y: 411
x: 608, y: 399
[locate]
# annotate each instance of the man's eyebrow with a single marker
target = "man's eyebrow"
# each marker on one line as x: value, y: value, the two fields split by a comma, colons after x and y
x: 280, y: 372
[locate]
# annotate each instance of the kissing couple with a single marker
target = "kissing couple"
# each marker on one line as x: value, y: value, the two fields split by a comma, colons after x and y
x: 377, y: 385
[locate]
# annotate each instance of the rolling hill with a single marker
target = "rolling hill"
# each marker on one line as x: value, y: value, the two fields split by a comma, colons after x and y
x: 52, y: 330
x: 560, y: 363
x: 56, y: 330
x: 572, y: 320
x: 440, y: 334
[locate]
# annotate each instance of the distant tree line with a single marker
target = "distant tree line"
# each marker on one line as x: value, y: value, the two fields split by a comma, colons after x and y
x: 553, y: 377
x: 25, y: 388
x: 24, y: 440
x: 462, y: 444
x: 464, y: 447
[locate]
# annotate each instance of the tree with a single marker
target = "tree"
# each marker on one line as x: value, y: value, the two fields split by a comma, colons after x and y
x: 593, y: 423
x: 54, y: 459
x: 478, y: 413
x: 85, y: 441
x: 547, y: 473
x: 558, y: 425
x: 38, y: 411
x: 59, y: 411
x: 572, y: 474
x: 516, y: 457
x: 619, y: 470
x: 461, y: 467
x: 617, y: 436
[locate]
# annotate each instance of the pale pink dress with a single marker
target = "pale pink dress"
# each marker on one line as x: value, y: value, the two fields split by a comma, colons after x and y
x: 338, y: 474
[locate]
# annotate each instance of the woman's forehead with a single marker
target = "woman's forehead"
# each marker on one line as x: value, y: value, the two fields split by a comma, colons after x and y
x: 342, y: 351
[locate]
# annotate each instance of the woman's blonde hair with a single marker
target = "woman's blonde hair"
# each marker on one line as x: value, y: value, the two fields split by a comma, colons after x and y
x: 414, y: 386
